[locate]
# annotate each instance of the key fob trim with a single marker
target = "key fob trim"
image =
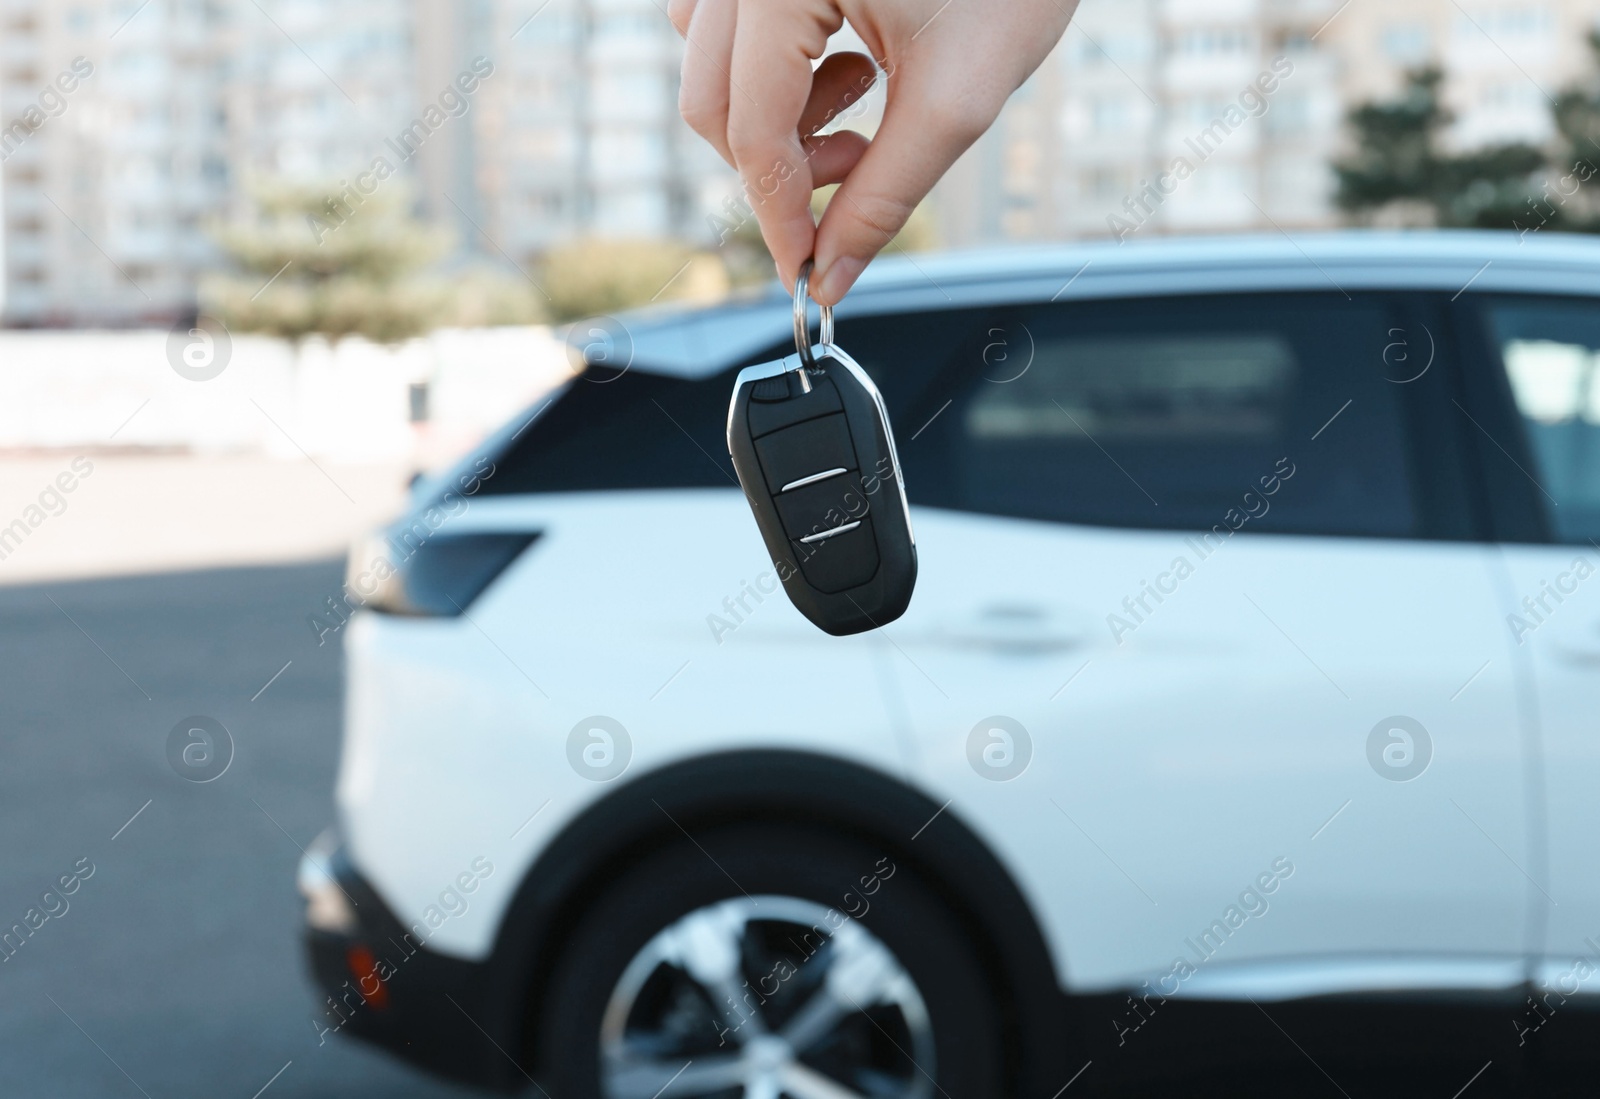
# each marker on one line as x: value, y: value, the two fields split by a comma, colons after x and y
x: 885, y: 596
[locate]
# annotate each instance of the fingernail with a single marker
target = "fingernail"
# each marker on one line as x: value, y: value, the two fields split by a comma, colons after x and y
x: 838, y: 278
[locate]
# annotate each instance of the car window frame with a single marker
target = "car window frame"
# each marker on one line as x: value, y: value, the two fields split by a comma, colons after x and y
x: 1445, y: 491
x: 1503, y: 450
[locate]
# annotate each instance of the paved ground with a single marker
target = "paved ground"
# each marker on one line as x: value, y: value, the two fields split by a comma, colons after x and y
x: 176, y: 969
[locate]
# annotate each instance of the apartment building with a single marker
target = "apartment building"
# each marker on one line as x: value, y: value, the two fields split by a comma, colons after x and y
x: 127, y: 126
x: 175, y: 107
x: 111, y: 156
x: 583, y: 136
x: 106, y: 200
x: 1505, y: 61
x: 1166, y: 116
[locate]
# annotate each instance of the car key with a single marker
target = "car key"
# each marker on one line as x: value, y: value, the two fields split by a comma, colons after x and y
x: 811, y: 443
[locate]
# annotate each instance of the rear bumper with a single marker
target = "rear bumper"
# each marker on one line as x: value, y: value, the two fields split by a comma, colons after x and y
x: 376, y: 980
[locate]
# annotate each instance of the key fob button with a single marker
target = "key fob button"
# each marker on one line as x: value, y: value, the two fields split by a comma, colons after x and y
x: 822, y: 506
x: 772, y: 389
x: 804, y: 450
x: 841, y: 561
x: 790, y: 404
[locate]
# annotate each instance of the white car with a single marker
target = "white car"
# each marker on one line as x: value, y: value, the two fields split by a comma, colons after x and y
x: 1251, y: 668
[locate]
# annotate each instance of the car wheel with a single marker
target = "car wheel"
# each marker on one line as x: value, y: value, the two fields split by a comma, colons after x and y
x: 765, y: 961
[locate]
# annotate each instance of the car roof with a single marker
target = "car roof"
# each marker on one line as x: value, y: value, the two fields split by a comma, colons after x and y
x: 705, y: 341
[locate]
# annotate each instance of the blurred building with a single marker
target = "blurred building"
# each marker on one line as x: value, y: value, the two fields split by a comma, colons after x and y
x: 126, y: 126
x: 309, y: 89
x: 582, y: 135
x: 1505, y: 61
x: 1091, y: 145
x: 174, y: 107
x: 113, y: 147
x: 570, y: 128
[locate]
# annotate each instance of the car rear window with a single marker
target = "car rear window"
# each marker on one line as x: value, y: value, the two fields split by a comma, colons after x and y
x: 642, y: 430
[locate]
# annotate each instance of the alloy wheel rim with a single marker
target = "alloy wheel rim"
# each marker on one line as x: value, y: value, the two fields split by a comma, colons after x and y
x: 767, y: 997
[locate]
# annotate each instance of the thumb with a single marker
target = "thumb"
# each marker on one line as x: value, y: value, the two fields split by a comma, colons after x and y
x: 922, y: 134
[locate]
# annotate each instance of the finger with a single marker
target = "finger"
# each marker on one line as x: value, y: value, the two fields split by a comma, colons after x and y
x: 836, y: 86
x: 774, y: 44
x: 680, y: 12
x: 923, y: 132
x: 834, y: 156
x: 703, y: 92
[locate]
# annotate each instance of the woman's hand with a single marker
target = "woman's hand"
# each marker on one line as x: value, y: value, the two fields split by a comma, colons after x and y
x: 750, y: 90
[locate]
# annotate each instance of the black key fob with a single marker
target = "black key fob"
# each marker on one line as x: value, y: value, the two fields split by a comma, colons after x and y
x: 811, y: 443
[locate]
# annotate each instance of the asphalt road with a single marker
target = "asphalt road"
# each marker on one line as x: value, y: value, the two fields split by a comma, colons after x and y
x: 174, y: 968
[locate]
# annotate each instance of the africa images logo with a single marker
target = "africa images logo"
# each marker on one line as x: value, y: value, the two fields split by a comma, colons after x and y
x: 1399, y: 748
x: 199, y: 748
x: 599, y: 748
x: 999, y: 748
x: 199, y: 350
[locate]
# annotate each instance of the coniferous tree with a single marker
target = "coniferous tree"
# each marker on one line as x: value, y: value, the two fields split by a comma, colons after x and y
x: 1400, y: 171
x: 1570, y: 199
x: 313, y: 262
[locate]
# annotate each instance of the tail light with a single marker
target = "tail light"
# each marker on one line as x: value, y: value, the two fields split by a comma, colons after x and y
x: 438, y: 576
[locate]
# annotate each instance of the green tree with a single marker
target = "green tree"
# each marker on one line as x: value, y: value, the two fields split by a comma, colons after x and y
x: 591, y: 277
x: 1577, y: 113
x: 311, y: 261
x: 1570, y: 200
x: 1399, y: 172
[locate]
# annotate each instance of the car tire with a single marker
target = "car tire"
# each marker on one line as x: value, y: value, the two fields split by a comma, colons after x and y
x: 597, y: 1015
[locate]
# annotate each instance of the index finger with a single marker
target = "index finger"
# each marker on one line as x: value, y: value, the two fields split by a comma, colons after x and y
x: 773, y: 47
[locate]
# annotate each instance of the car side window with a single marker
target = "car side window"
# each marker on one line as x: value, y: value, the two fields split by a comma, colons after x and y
x: 1550, y: 351
x: 1253, y: 412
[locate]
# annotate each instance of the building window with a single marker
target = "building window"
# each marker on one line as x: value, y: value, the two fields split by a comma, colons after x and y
x: 1406, y: 43
x: 1522, y: 22
x: 1108, y: 114
x: 1110, y: 184
x: 1290, y: 114
x: 1210, y: 42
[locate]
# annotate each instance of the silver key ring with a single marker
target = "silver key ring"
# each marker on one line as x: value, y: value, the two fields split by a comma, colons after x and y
x: 802, y: 321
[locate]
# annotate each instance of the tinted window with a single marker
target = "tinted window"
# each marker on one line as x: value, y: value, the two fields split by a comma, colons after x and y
x: 1182, y: 413
x: 643, y: 430
x: 1550, y: 349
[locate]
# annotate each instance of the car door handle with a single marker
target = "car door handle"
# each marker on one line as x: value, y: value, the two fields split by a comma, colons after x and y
x: 1581, y: 656
x: 1578, y: 649
x: 1012, y: 627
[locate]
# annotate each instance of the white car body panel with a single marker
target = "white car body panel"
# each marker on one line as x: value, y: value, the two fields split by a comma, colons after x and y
x: 1237, y: 750
x: 1558, y: 648
x: 447, y: 737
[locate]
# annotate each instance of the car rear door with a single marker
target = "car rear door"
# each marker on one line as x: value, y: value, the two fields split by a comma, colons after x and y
x: 1203, y: 646
x: 1536, y: 399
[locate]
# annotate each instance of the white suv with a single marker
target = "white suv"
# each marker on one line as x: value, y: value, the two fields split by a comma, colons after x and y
x: 1251, y: 669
